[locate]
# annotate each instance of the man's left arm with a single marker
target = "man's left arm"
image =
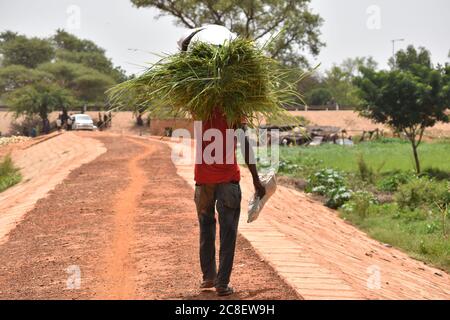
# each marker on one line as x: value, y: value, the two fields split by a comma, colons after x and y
x: 250, y: 161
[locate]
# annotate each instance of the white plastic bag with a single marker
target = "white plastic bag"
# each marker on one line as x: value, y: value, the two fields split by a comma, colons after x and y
x: 210, y: 33
x: 256, y: 205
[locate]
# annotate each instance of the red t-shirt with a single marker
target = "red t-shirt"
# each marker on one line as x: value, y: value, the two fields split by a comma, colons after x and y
x: 214, y: 164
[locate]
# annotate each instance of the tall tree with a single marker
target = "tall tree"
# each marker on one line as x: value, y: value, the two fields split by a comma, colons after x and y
x: 409, y: 99
x: 72, y: 49
x: 77, y: 65
x: 20, y: 50
x: 38, y: 76
x: 87, y: 85
x: 40, y: 99
x: 298, y: 26
x: 16, y: 76
x: 339, y: 83
x: 407, y: 59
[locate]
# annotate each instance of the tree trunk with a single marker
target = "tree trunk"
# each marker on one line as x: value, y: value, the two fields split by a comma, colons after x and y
x: 416, y: 157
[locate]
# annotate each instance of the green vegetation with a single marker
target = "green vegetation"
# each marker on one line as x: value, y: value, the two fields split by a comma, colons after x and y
x: 9, y: 175
x: 411, y: 97
x: 237, y: 77
x: 298, y: 26
x: 421, y: 234
x: 38, y: 76
x: 397, y: 196
x: 336, y: 85
x: 331, y: 184
x: 385, y: 156
x: 374, y: 186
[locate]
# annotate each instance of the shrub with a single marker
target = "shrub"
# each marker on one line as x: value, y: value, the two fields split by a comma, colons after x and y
x: 423, y: 193
x: 360, y: 203
x: 24, y: 127
x: 393, y: 181
x: 331, y: 184
x: 365, y: 172
x: 385, y: 140
x: 9, y: 175
x: 286, y: 166
x: 437, y: 173
x: 307, y: 166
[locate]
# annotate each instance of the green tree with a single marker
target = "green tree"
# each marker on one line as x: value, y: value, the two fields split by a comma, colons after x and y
x: 39, y: 99
x: 87, y: 85
x: 69, y: 48
x: 409, y: 99
x: 78, y: 66
x: 337, y: 83
x: 20, y: 50
x: 407, y: 59
x: 319, y: 97
x: 16, y: 76
x: 340, y: 85
x: 66, y: 41
x: 351, y: 66
x: 298, y: 26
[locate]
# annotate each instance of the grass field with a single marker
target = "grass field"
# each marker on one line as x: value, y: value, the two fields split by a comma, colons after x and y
x: 384, y: 156
x: 9, y: 175
x: 420, y: 228
x: 416, y: 232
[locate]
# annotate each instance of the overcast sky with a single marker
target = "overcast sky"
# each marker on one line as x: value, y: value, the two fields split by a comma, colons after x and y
x: 352, y: 27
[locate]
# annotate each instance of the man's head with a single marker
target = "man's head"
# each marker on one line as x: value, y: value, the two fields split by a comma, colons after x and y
x: 212, y: 34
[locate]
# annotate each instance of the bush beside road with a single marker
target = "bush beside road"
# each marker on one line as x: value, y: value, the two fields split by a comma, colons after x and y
x: 9, y: 174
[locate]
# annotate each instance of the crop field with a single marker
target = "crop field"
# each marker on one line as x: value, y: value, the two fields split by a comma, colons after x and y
x: 374, y: 186
x: 385, y: 156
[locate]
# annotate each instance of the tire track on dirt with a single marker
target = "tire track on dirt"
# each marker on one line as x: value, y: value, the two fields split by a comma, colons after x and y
x: 127, y: 221
x: 167, y: 241
x: 118, y: 280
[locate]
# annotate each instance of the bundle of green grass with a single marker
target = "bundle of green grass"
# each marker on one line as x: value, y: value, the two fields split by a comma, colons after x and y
x: 236, y: 77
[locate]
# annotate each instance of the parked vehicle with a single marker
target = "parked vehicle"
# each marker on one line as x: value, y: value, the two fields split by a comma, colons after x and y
x: 82, y: 122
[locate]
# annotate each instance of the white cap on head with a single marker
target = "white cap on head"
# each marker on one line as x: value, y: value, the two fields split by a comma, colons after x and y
x: 212, y: 34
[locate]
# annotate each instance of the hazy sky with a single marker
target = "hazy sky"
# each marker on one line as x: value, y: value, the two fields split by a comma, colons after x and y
x: 352, y: 27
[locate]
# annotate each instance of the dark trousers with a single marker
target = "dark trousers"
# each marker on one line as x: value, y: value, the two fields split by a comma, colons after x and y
x: 226, y: 198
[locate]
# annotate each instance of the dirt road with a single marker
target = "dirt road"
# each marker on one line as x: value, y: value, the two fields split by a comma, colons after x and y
x: 121, y: 227
x: 323, y: 257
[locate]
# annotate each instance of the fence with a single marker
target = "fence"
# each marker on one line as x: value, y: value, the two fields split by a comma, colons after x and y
x: 321, y: 108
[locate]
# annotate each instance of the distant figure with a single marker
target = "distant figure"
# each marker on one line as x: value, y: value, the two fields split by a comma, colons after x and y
x: 139, y: 120
x: 100, y: 124
x: 69, y: 123
x: 334, y: 138
x: 105, y: 120
x: 59, y: 123
x: 46, y: 126
x: 64, y: 116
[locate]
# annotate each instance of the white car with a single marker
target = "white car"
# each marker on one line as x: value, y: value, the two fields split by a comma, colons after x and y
x: 82, y: 122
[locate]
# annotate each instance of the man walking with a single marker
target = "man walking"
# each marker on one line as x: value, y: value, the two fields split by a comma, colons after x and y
x: 217, y: 178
